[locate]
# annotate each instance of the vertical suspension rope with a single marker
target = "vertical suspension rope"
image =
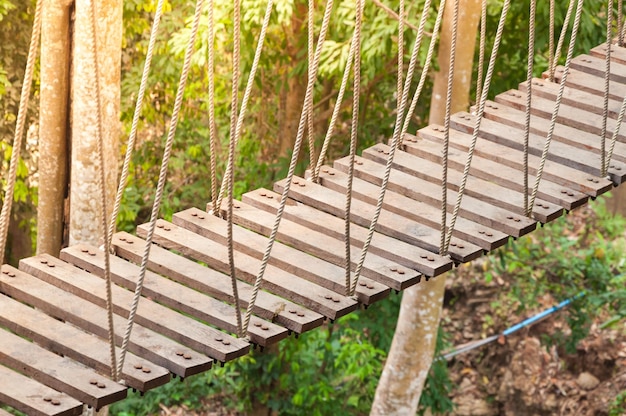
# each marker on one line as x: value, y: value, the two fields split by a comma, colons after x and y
x: 559, y: 46
x: 231, y: 157
x: 309, y: 117
x: 607, y: 78
x: 618, y: 125
x: 161, y: 182
x: 479, y: 117
x: 292, y: 165
x: 101, y: 184
x: 529, y: 95
x: 356, y: 88
x: 443, y: 250
x: 482, y: 47
x: 551, y: 51
x: 557, y: 103
x: 620, y: 17
x: 396, y: 136
x: 33, y: 51
x: 211, y: 105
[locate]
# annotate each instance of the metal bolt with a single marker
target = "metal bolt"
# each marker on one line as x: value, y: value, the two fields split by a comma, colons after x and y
x: 296, y: 182
x: 300, y: 314
x: 336, y: 300
x: 401, y: 272
x: 138, y: 366
x: 489, y: 234
x: 461, y: 246
x: 292, y: 311
x: 362, y: 284
x: 257, y: 324
x: 84, y: 250
x: 180, y: 353
x: 5, y: 272
x: 263, y: 193
x: 517, y: 220
x: 564, y: 191
x: 219, y: 339
x: 146, y: 370
x: 370, y: 286
x: 55, y: 402
x: 43, y: 261
x: 328, y: 297
x: 393, y: 268
x: 570, y: 193
x: 122, y: 238
x: 187, y: 356
x: 93, y: 382
x: 358, y: 162
x: 431, y: 259
x: 423, y: 256
x: 101, y: 385
x: 510, y: 217
x: 167, y: 228
x: 50, y: 265
x: 47, y: 399
x: 159, y: 225
x: 265, y: 327
x: 226, y: 342
x: 194, y: 214
x: 453, y: 244
x: 11, y: 274
x: 481, y: 232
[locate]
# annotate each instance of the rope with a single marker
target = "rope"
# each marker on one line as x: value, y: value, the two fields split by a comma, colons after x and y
x: 557, y: 104
x: 483, y: 41
x: 529, y: 94
x: 551, y: 51
x: 161, y: 183
x: 559, y: 47
x: 310, y: 52
x: 356, y: 88
x: 33, y: 50
x: 231, y: 158
x: 618, y: 125
x: 479, y: 117
x: 292, y: 164
x: 446, y: 126
x: 620, y: 10
x: 607, y: 76
x: 101, y: 181
x: 211, y: 105
x: 395, y: 139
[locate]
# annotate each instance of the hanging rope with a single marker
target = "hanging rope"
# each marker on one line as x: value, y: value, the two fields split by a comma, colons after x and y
x: 211, y: 105
x: 618, y: 125
x: 292, y: 164
x: 557, y: 104
x: 231, y: 159
x: 529, y: 94
x: 310, y: 54
x: 482, y: 46
x: 161, y: 182
x: 356, y: 93
x: 446, y: 127
x: 551, y: 51
x: 620, y: 11
x: 479, y: 117
x: 33, y: 51
x: 394, y: 141
x: 607, y: 77
x: 559, y: 46
x: 101, y: 180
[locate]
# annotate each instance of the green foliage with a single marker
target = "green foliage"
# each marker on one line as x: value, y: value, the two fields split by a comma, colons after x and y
x: 618, y: 407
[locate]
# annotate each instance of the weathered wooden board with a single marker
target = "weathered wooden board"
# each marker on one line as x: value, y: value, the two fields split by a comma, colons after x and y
x: 562, y: 153
x: 172, y: 294
x: 317, y: 244
x: 596, y: 66
x: 33, y: 398
x: 562, y: 133
x: 618, y: 54
x: 568, y: 115
x: 555, y: 172
x: 60, y: 373
x: 430, y: 191
x: 187, y: 331
x: 389, y: 223
x: 216, y: 284
x: 71, y: 342
x: 589, y: 83
x: 430, y: 215
x: 276, y: 280
x: 387, y: 247
x: 298, y: 263
x: 60, y: 304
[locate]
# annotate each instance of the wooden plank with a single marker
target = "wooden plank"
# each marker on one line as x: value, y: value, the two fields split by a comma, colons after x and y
x: 472, y: 232
x: 298, y: 263
x: 589, y: 83
x: 596, y: 66
x: 276, y: 280
x: 495, y: 218
x: 71, y: 342
x: 389, y: 223
x: 187, y: 331
x: 562, y: 153
x: 33, y: 398
x: 319, y: 245
x: 216, y: 284
x: 59, y: 373
x: 555, y: 172
x: 60, y: 304
x: 568, y: 115
x: 562, y: 133
x: 387, y: 247
x: 618, y: 53
x: 173, y: 295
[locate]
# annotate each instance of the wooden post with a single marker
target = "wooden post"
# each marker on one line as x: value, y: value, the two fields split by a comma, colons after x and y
x: 53, y: 121
x: 84, y: 193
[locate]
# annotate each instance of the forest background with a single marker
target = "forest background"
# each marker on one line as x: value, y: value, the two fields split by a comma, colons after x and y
x: 337, y: 367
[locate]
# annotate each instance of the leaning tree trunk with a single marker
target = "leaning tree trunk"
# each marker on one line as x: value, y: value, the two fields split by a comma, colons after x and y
x: 414, y: 341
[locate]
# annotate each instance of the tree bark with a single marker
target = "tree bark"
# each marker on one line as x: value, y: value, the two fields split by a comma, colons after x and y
x: 53, y: 121
x: 415, y: 339
x: 84, y: 193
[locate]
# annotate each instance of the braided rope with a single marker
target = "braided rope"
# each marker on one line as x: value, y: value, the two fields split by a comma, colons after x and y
x: 292, y: 164
x: 557, y: 104
x: 211, y: 105
x: 529, y: 94
x: 394, y: 141
x: 446, y: 135
x: 618, y: 125
x: 479, y: 117
x: 482, y: 47
x: 231, y: 160
x: 246, y: 96
x: 356, y: 88
x: 551, y: 50
x: 559, y: 47
x: 620, y: 11
x: 33, y: 51
x: 161, y: 182
x: 100, y: 181
x: 310, y: 52
x: 136, y: 115
x: 607, y: 77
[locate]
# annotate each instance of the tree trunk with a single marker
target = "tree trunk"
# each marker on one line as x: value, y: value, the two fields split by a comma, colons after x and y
x: 414, y: 341
x: 84, y: 193
x: 53, y: 121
